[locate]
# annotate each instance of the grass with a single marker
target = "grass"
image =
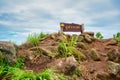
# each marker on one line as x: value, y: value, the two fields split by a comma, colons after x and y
x: 117, y: 36
x: 49, y: 74
x: 15, y: 72
x: 65, y: 48
x: 34, y: 38
x: 19, y: 63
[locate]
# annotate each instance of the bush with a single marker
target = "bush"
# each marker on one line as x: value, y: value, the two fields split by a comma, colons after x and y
x: 99, y: 35
x: 117, y: 36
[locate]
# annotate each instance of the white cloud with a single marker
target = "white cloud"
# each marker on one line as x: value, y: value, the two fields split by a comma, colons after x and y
x: 45, y: 15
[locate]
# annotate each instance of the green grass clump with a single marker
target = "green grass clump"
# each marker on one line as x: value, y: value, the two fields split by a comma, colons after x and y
x: 46, y: 75
x: 19, y: 63
x: 65, y: 48
x: 49, y: 74
x: 117, y: 36
x: 14, y: 72
x: 99, y: 35
x: 41, y: 35
x: 34, y: 38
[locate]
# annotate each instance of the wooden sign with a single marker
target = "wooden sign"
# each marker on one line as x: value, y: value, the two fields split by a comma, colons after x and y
x: 67, y: 27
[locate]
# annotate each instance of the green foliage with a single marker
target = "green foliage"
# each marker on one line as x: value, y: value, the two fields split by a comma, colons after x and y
x: 49, y: 74
x: 66, y: 48
x: 34, y: 38
x: 99, y: 35
x: 117, y: 36
x: 19, y: 63
x: 3, y: 60
x: 17, y: 74
x: 46, y: 75
x: 42, y: 35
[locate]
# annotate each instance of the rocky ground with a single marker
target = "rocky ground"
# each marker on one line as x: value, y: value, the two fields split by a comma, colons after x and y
x: 91, y: 59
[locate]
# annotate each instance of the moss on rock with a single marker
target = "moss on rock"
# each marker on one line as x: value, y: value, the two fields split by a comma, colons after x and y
x: 94, y: 55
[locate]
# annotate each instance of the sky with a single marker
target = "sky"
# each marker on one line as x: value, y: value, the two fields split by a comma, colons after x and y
x: 18, y: 18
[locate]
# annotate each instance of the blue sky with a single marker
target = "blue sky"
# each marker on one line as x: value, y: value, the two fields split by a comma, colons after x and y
x: 18, y: 18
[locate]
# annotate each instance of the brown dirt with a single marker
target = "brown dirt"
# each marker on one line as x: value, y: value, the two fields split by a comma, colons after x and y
x: 40, y: 62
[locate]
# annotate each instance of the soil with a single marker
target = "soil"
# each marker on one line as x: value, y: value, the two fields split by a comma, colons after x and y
x: 39, y: 63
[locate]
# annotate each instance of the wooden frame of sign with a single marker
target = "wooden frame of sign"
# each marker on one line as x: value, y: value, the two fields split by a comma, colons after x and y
x: 71, y: 27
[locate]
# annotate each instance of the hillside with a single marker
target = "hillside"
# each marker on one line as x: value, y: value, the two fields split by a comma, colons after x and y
x: 76, y: 57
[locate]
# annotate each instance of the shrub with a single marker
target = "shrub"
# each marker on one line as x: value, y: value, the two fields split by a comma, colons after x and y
x: 99, y: 35
x: 117, y: 36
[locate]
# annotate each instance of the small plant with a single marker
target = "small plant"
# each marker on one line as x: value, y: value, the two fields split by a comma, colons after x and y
x: 66, y: 48
x: 17, y: 74
x: 46, y: 75
x: 19, y: 63
x: 49, y: 74
x: 117, y: 36
x: 99, y: 35
x: 33, y: 38
x: 42, y: 35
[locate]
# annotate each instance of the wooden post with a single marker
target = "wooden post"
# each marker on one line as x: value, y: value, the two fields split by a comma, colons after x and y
x: 82, y: 28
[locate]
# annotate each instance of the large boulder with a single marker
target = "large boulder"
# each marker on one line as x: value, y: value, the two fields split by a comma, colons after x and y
x: 8, y: 50
x: 113, y: 68
x: 65, y: 65
x: 114, y: 55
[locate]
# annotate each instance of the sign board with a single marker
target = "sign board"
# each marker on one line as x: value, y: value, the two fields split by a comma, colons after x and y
x: 71, y: 27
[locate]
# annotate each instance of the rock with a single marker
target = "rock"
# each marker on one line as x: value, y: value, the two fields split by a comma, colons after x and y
x: 88, y: 38
x: 9, y: 50
x: 94, y: 55
x: 61, y: 38
x: 74, y: 35
x: 114, y: 55
x: 113, y: 68
x: 112, y: 42
x: 80, y: 38
x: 79, y: 55
x: 81, y: 45
x: 89, y: 33
x: 66, y: 65
x: 53, y: 36
x: 48, y: 50
x: 103, y: 75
